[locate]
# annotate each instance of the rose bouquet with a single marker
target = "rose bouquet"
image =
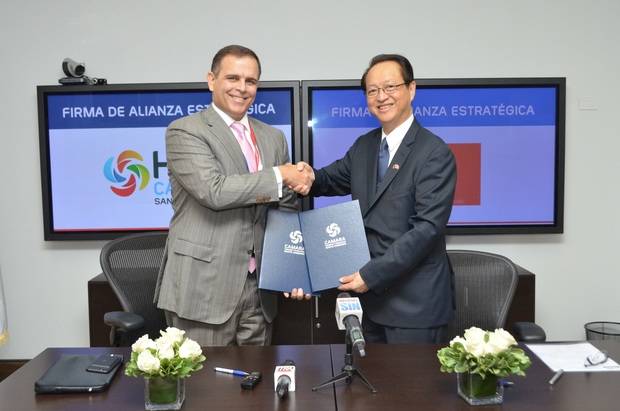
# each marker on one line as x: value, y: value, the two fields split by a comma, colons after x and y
x: 479, y: 358
x: 172, y: 355
x: 484, y: 353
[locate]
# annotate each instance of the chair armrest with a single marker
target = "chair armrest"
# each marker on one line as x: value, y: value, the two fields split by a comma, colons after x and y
x: 123, y: 320
x: 528, y: 332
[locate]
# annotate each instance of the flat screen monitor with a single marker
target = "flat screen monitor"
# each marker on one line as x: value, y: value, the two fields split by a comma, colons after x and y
x: 507, y: 136
x: 103, y: 156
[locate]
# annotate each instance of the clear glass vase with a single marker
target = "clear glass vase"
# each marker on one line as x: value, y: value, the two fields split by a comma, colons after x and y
x: 164, y: 393
x: 479, y: 391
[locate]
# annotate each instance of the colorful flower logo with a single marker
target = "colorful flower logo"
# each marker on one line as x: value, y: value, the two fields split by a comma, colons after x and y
x: 125, y: 163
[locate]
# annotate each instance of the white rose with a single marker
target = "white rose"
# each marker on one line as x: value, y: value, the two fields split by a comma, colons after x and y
x: 147, y: 362
x: 474, y: 341
x: 474, y: 335
x: 189, y: 349
x: 174, y: 334
x: 501, y: 340
x: 477, y: 350
x: 142, y: 344
x: 165, y: 348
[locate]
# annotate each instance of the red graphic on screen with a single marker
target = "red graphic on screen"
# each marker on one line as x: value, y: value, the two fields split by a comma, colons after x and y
x: 468, y: 173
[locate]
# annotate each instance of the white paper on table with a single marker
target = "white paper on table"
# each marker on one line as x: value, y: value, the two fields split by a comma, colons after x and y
x: 571, y: 357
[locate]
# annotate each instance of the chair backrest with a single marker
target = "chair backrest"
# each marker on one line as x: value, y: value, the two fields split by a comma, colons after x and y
x: 485, y: 284
x: 131, y: 264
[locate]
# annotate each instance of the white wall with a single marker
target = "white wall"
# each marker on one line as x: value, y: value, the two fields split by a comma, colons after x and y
x: 162, y: 41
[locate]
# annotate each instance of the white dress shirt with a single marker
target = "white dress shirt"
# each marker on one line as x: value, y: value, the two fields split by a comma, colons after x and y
x: 246, y: 123
x: 396, y: 136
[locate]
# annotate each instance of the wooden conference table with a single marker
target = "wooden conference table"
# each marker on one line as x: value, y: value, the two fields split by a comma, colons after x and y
x: 407, y: 377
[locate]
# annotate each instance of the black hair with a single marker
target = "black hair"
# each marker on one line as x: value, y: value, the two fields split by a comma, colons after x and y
x: 405, y: 67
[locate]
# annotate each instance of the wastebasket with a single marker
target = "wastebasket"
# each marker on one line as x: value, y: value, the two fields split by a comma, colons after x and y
x: 602, y: 330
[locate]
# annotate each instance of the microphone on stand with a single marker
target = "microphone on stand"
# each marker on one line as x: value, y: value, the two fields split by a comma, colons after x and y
x: 284, y: 378
x: 349, y: 317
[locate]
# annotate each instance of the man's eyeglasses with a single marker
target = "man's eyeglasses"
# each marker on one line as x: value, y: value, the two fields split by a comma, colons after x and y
x: 389, y: 89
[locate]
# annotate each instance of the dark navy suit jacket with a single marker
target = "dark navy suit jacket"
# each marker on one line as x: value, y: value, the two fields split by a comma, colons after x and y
x: 409, y: 275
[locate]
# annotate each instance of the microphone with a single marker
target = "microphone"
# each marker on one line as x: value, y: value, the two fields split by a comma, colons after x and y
x: 284, y: 378
x: 349, y: 317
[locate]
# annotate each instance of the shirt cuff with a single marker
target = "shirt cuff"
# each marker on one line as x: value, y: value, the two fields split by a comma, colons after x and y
x: 278, y: 174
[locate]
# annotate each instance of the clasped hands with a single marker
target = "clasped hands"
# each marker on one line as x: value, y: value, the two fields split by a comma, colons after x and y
x: 298, y: 177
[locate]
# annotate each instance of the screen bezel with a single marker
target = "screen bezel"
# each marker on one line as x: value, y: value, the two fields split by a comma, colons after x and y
x: 44, y: 91
x: 559, y: 83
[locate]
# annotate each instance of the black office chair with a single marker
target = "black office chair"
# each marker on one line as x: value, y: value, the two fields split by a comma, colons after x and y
x: 485, y: 285
x: 131, y: 264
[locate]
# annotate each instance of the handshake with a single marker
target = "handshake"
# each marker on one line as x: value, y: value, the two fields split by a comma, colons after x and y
x: 298, y: 177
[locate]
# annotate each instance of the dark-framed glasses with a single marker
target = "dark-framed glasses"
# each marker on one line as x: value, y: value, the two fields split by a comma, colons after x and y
x: 389, y: 89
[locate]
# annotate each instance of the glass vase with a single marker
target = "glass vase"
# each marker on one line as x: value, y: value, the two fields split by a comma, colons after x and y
x: 479, y: 391
x: 164, y: 393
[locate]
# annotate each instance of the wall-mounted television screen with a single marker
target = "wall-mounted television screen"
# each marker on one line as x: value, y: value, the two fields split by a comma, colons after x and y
x: 103, y: 156
x: 507, y: 136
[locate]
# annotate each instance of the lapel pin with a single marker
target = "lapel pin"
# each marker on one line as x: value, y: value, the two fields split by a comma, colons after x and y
x: 396, y: 167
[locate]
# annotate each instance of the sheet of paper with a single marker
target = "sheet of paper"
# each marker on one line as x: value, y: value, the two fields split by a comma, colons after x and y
x: 571, y: 357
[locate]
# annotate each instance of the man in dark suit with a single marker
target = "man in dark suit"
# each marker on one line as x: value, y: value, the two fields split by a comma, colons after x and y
x: 404, y: 178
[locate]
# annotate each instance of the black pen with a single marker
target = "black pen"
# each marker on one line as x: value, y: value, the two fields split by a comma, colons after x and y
x: 556, y: 376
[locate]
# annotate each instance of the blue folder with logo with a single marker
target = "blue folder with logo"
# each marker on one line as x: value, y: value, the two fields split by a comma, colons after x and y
x: 313, y: 249
x: 283, y: 266
x: 335, y: 243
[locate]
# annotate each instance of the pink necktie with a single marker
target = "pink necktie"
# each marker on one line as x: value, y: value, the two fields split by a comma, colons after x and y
x: 250, y: 158
x: 246, y: 147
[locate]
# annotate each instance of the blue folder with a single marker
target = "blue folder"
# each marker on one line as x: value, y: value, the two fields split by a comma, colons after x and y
x: 283, y: 265
x: 334, y: 244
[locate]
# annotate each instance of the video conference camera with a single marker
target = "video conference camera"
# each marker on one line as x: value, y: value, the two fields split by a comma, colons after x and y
x: 72, y: 68
x: 75, y: 73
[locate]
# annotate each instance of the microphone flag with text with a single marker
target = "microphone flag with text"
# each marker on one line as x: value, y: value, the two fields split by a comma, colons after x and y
x: 349, y: 317
x: 284, y: 378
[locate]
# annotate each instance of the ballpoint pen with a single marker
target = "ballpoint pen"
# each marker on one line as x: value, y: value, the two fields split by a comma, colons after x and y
x: 505, y: 383
x: 238, y: 373
x: 556, y: 376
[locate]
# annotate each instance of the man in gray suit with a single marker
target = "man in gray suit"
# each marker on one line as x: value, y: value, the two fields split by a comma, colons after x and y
x: 404, y: 178
x: 226, y: 169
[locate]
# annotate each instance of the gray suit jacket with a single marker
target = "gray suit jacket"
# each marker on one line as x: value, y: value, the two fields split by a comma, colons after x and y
x: 219, y: 216
x: 405, y: 217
